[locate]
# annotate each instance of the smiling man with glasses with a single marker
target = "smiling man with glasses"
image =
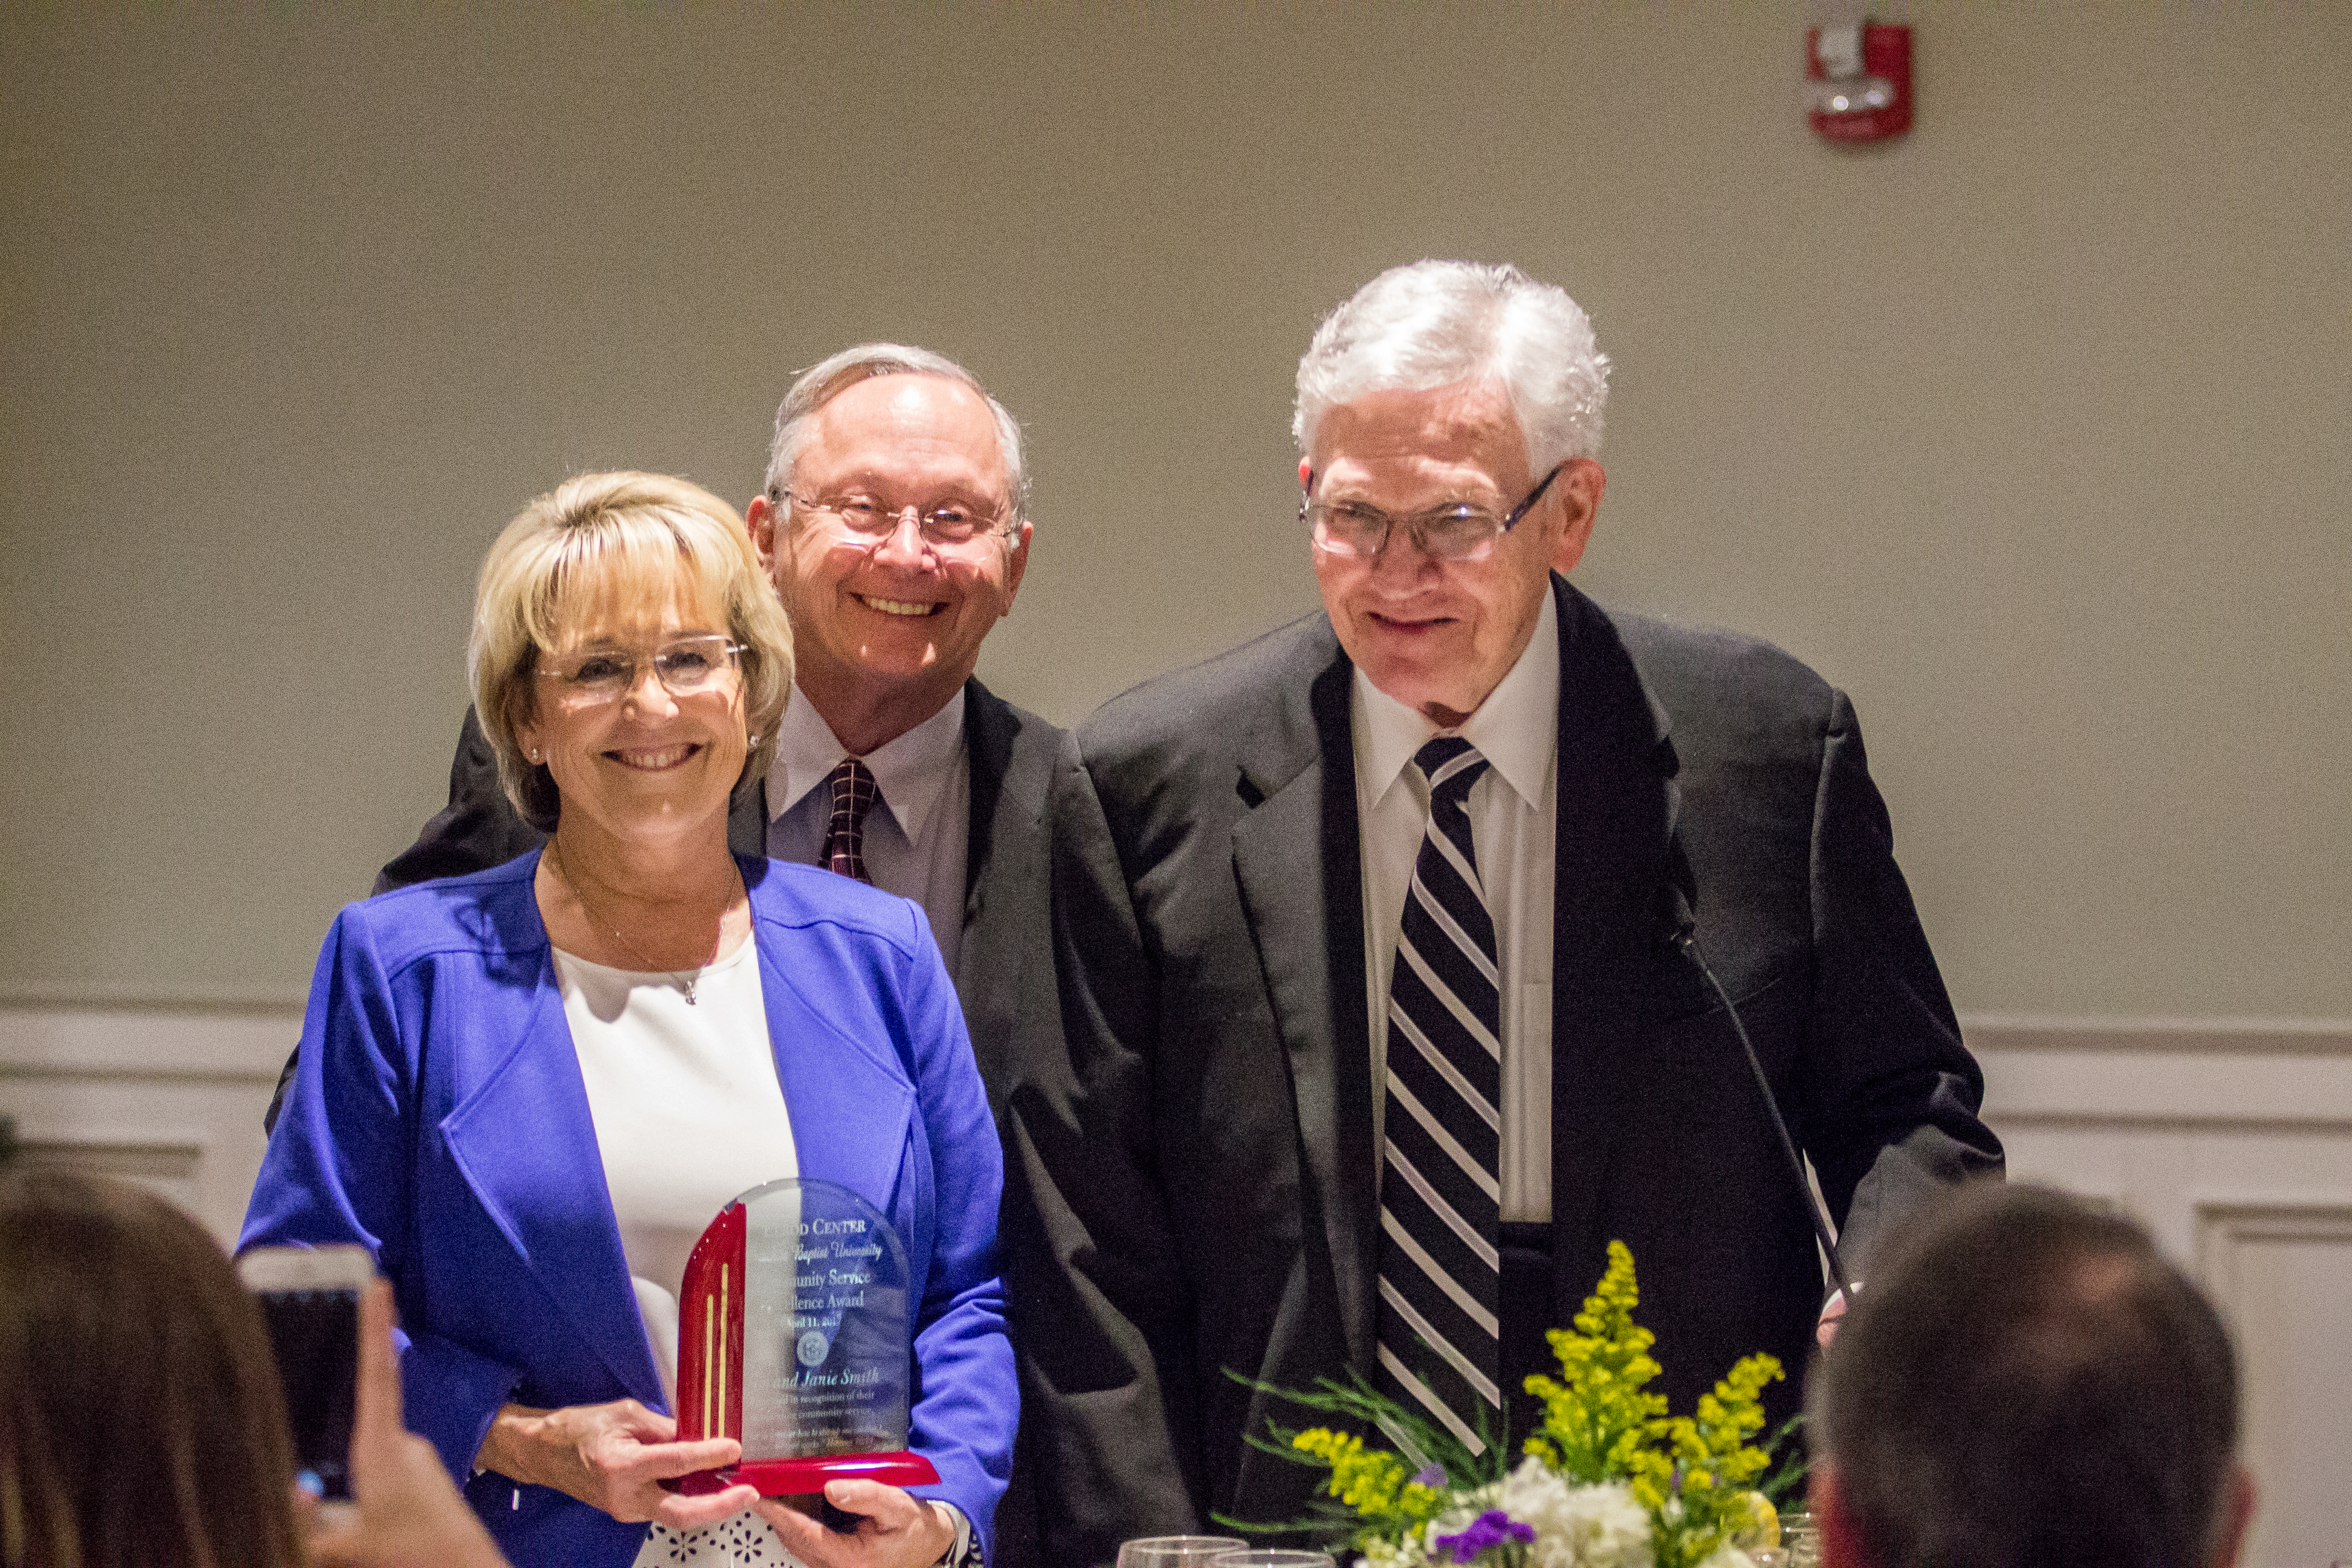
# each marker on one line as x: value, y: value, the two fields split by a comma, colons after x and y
x: 894, y: 519
x: 1378, y: 1025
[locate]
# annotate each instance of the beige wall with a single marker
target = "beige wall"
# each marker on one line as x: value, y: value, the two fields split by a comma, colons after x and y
x: 2031, y: 430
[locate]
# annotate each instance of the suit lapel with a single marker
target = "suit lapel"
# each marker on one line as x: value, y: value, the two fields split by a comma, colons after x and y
x: 1007, y: 838
x: 1615, y: 827
x: 848, y: 1099
x: 525, y: 1142
x: 849, y: 1112
x: 1298, y: 860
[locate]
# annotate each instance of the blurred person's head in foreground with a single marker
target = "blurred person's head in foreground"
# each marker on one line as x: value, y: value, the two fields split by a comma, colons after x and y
x: 141, y: 1418
x: 2029, y: 1382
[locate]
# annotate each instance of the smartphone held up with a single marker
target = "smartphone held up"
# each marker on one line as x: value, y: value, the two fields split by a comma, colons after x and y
x: 310, y: 1297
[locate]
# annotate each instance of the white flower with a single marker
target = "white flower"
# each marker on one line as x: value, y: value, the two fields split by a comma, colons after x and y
x: 1578, y: 1527
x: 1727, y: 1556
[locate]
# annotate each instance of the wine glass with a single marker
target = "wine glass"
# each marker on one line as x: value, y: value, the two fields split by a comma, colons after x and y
x: 1801, y: 1539
x: 1176, y: 1550
x: 1272, y: 1557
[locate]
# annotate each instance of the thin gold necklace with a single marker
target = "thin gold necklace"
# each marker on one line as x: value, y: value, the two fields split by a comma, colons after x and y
x: 686, y: 980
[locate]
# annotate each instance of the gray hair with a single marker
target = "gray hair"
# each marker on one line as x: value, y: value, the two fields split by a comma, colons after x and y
x: 1436, y: 323
x: 829, y: 378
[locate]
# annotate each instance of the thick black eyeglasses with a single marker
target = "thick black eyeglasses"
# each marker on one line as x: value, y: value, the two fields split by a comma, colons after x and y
x: 1457, y: 532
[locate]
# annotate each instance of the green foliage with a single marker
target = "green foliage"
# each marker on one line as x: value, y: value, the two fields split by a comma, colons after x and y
x: 1790, y: 1475
x: 1377, y: 1485
x: 1694, y: 1474
x: 1371, y: 1493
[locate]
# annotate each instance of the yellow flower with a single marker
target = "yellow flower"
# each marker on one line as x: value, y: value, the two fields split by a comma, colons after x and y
x: 1597, y: 1417
x: 1376, y: 1484
x: 1600, y: 1424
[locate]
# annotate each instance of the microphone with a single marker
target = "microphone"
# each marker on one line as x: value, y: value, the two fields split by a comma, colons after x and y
x: 1685, y: 936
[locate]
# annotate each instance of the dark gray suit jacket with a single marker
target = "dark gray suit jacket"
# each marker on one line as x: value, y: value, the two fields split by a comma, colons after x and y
x: 1004, y: 969
x: 1200, y: 1165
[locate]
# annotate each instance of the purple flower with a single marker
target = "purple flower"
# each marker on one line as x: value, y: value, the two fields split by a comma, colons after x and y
x: 1492, y: 1528
x: 1430, y: 1476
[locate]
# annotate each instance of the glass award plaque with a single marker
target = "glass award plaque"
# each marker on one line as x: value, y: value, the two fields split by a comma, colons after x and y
x: 793, y: 1333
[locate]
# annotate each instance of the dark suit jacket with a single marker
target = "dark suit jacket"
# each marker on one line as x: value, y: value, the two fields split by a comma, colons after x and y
x: 1200, y: 1163
x: 1004, y: 970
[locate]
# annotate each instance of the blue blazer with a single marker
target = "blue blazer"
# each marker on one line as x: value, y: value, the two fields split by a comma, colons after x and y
x: 438, y: 1119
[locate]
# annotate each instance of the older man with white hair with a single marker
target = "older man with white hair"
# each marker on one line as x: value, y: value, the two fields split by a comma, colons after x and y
x: 1380, y: 1022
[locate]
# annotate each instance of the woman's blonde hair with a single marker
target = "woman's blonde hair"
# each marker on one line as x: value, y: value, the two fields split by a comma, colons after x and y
x: 621, y: 536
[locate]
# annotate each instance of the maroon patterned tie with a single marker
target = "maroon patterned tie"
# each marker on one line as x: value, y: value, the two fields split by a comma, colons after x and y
x: 854, y: 794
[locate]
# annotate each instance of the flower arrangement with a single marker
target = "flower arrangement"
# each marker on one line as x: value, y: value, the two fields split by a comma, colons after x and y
x: 1609, y: 1479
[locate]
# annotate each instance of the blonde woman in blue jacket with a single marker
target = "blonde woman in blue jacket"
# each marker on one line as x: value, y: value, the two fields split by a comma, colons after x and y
x: 526, y: 1090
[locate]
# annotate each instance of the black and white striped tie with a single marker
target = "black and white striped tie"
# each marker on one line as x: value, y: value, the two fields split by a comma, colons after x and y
x: 1441, y: 1209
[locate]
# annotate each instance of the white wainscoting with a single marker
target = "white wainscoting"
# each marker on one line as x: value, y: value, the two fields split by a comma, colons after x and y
x: 2232, y: 1140
x: 169, y: 1096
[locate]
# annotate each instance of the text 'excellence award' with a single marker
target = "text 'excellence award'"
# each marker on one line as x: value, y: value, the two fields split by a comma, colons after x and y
x: 793, y: 1330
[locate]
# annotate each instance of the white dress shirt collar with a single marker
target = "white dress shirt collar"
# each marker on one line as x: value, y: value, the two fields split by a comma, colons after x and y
x: 1516, y: 728
x: 909, y: 771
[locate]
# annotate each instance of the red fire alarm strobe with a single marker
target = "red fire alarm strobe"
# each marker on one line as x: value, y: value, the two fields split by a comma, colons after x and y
x: 1858, y: 81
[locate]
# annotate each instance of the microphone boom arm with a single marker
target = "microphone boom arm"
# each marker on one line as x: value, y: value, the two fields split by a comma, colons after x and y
x: 1687, y: 939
